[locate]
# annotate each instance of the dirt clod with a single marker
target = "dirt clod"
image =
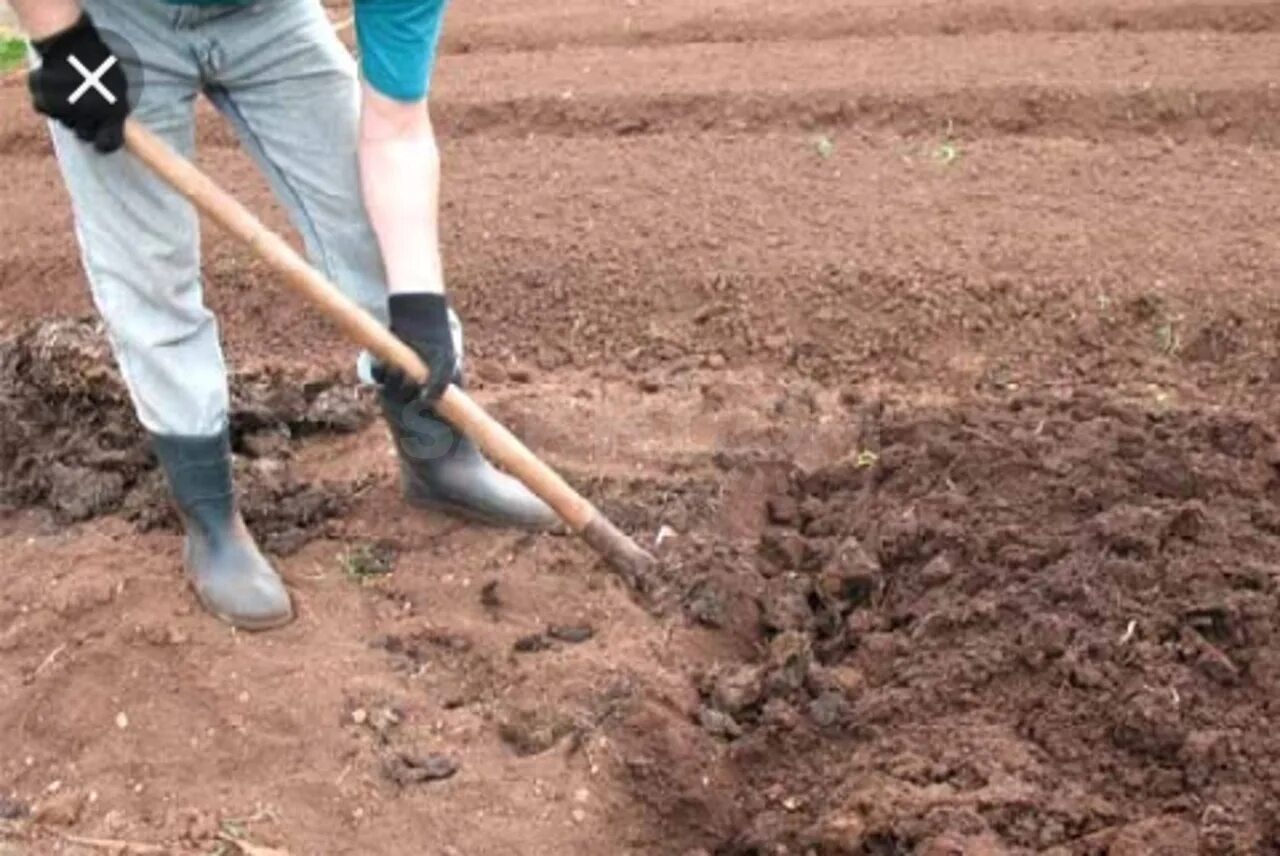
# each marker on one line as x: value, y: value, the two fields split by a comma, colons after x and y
x: 717, y: 723
x: 61, y: 809
x: 12, y: 809
x: 530, y: 731
x: 70, y: 443
x: 531, y: 644
x: 410, y: 769
x: 964, y: 572
x: 736, y: 689
x: 790, y: 657
x: 829, y: 709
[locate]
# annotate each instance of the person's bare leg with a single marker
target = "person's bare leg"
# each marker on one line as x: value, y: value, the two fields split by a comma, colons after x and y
x: 400, y: 174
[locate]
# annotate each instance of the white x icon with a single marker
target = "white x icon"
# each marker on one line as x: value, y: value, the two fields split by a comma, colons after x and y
x: 92, y: 79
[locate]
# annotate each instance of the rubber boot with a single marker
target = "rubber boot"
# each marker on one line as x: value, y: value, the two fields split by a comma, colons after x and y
x: 230, y: 576
x: 443, y: 470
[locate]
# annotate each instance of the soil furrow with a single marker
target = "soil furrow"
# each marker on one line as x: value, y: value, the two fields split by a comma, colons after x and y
x: 763, y: 229
x: 1241, y: 115
x: 1089, y: 86
x: 504, y: 26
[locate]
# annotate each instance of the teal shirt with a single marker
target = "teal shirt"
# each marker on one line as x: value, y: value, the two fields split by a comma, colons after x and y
x: 398, y: 41
x: 397, y: 38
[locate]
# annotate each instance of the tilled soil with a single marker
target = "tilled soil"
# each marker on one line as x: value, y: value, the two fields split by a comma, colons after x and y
x: 1015, y: 624
x: 70, y: 443
x: 933, y: 348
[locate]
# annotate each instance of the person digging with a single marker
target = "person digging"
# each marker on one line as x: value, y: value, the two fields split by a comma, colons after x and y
x: 361, y: 187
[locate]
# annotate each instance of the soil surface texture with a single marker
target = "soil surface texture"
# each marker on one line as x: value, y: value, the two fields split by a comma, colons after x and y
x: 933, y: 347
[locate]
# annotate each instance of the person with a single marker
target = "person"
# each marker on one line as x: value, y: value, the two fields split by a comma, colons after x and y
x: 360, y: 185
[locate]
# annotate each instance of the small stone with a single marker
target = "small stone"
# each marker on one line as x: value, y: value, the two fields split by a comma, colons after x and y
x: 359, y: 716
x: 581, y: 795
x: 122, y: 720
x: 719, y: 724
x: 572, y: 633
x: 578, y: 815
x: 716, y: 361
x: 736, y: 689
x: 937, y: 570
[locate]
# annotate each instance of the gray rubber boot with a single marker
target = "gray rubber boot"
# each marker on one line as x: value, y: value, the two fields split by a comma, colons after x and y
x: 443, y: 470
x: 230, y: 576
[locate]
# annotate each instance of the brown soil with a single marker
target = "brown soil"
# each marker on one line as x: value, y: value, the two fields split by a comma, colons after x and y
x: 69, y: 442
x: 936, y: 343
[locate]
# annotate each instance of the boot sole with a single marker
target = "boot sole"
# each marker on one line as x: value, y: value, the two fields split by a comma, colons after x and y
x: 242, y: 623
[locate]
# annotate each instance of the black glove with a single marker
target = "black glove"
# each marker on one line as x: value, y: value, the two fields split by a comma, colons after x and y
x: 57, y: 81
x: 421, y: 321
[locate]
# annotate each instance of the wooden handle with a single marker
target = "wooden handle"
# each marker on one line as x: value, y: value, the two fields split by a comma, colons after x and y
x: 454, y: 405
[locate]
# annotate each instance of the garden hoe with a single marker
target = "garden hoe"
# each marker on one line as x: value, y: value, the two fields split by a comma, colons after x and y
x: 623, y: 554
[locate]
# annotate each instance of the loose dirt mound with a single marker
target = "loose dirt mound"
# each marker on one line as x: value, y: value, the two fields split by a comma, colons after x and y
x: 1017, y: 624
x: 70, y: 443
